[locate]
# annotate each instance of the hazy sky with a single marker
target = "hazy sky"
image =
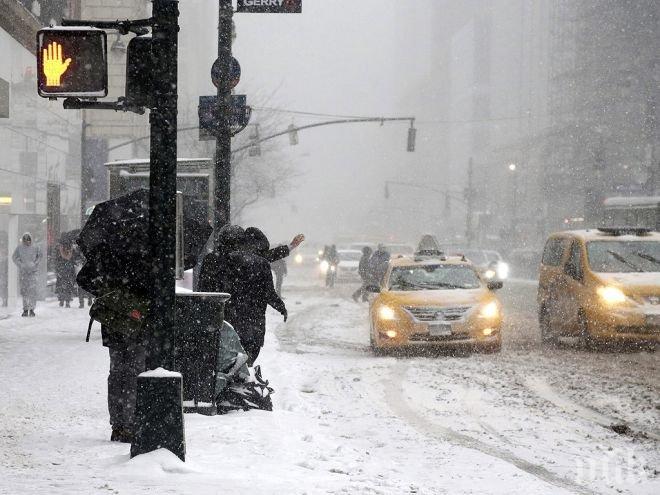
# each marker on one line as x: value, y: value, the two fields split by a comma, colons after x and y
x: 339, y: 57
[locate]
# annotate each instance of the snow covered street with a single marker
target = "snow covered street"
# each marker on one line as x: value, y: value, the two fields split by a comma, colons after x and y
x: 530, y: 420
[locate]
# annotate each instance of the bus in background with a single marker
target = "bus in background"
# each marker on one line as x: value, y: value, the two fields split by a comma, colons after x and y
x: 634, y: 211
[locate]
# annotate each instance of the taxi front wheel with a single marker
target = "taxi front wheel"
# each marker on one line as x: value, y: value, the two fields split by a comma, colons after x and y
x: 547, y: 335
x: 587, y: 340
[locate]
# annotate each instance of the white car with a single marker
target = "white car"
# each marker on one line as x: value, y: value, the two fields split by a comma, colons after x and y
x: 347, y: 269
x: 490, y: 263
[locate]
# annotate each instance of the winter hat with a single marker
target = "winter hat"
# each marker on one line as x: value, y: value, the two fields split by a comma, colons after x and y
x: 230, y: 237
x: 256, y: 239
x: 26, y: 237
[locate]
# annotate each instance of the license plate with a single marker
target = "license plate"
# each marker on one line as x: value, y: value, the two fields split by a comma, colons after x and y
x: 440, y: 330
x: 653, y: 320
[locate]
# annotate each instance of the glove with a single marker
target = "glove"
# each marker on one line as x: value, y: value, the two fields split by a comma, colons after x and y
x: 285, y: 314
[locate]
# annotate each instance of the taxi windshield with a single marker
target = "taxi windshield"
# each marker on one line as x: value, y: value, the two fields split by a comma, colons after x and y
x: 624, y: 256
x: 433, y: 277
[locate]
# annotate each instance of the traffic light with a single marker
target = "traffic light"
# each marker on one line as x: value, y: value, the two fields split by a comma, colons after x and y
x: 72, y: 62
x: 412, y: 134
x: 293, y: 135
x: 139, y: 71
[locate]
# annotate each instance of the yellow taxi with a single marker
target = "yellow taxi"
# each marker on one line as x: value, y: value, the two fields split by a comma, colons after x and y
x: 435, y: 301
x: 601, y: 285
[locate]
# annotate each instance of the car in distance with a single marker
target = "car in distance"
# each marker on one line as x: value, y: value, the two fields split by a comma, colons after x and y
x: 489, y: 262
x: 601, y: 286
x: 347, y: 269
x: 435, y: 301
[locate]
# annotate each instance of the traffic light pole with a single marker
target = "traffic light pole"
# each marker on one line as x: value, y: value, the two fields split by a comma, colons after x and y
x: 222, y: 172
x: 469, y: 193
x: 162, y: 183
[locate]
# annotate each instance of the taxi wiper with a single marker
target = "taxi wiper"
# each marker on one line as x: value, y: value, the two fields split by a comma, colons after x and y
x: 648, y: 257
x: 620, y: 258
x: 405, y: 283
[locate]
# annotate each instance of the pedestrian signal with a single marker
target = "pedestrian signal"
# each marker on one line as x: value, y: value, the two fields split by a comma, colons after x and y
x: 72, y: 62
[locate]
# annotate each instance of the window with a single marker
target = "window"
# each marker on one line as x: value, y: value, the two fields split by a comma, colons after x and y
x: 553, y: 252
x: 624, y: 256
x: 574, y: 264
x: 433, y: 277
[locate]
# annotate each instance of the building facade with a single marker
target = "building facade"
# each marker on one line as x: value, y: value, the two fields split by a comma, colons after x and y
x: 40, y: 142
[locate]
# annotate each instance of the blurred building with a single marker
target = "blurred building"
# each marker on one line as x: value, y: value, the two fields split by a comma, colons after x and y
x: 555, y: 102
x: 40, y: 142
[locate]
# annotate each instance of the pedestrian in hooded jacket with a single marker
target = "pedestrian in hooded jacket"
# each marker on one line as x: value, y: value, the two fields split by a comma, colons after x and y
x: 251, y: 290
x: 27, y: 257
x: 363, y: 271
x: 65, y: 269
x: 214, y: 275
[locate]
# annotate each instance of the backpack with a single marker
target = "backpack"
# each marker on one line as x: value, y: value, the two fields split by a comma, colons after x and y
x: 120, y: 311
x: 243, y: 396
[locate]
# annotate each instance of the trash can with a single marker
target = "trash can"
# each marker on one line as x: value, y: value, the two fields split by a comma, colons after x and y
x: 199, y: 317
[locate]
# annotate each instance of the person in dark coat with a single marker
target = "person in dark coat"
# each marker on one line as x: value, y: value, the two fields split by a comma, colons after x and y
x: 363, y: 271
x: 378, y: 265
x: 65, y: 269
x: 215, y: 271
x: 27, y: 257
x: 251, y: 290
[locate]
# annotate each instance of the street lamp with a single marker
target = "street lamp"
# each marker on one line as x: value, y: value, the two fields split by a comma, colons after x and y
x: 514, y: 197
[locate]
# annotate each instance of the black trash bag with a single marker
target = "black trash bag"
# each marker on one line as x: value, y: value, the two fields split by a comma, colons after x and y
x: 243, y: 396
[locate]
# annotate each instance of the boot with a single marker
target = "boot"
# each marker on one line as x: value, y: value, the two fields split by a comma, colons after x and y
x: 121, y: 435
x: 32, y: 312
x: 68, y: 305
x: 61, y: 303
x: 25, y: 312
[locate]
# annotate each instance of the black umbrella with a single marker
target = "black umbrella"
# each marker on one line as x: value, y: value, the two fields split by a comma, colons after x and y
x: 115, y: 241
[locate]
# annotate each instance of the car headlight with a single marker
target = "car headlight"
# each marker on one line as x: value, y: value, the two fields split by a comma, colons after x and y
x: 386, y: 313
x: 489, y: 274
x: 298, y: 258
x: 324, y: 266
x: 611, y: 295
x: 502, y: 270
x: 489, y: 310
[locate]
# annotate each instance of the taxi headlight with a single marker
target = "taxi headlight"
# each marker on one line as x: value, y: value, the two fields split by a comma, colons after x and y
x: 324, y: 266
x: 489, y: 310
x: 611, y: 295
x: 502, y: 270
x: 298, y: 258
x: 489, y: 274
x: 386, y: 313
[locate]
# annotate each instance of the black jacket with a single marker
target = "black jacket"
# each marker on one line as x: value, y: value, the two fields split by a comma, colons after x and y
x: 251, y: 290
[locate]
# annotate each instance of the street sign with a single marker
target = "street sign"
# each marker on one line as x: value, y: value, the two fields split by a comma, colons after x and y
x: 72, y: 62
x: 234, y: 73
x: 209, y: 121
x: 270, y: 6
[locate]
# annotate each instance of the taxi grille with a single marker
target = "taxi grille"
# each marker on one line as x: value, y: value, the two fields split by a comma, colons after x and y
x: 424, y: 313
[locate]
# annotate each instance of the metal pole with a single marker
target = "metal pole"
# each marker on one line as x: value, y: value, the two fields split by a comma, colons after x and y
x: 162, y: 187
x: 470, y: 204
x: 85, y: 172
x: 223, y: 136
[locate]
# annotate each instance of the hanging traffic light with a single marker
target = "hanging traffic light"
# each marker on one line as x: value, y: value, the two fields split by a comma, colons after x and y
x: 293, y: 135
x: 72, y: 62
x: 412, y: 134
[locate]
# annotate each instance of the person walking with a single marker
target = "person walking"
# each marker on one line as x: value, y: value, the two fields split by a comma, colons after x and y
x: 378, y: 265
x: 27, y: 257
x: 280, y: 270
x: 65, y: 269
x: 215, y: 272
x: 363, y: 271
x: 251, y: 290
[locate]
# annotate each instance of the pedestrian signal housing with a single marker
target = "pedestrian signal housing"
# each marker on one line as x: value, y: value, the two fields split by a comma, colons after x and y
x: 72, y: 62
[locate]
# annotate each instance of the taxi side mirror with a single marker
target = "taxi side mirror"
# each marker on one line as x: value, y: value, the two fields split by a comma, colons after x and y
x: 495, y: 285
x: 373, y: 288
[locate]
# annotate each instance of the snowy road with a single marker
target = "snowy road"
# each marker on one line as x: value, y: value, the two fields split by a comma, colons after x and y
x: 530, y: 420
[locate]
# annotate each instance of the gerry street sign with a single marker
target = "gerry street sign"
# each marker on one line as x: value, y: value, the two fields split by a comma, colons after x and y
x: 270, y: 6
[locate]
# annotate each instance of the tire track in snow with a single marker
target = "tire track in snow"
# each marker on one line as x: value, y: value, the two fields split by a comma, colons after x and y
x: 295, y: 333
x: 544, y: 390
x: 394, y: 398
